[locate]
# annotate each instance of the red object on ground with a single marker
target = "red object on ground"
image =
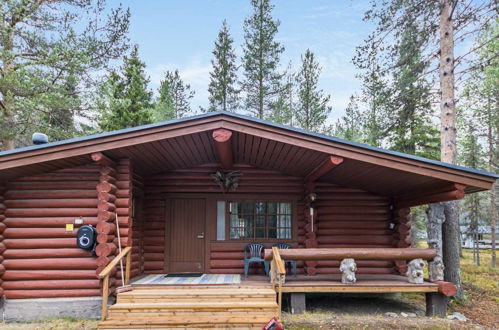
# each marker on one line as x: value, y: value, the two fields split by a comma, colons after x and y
x: 273, y: 324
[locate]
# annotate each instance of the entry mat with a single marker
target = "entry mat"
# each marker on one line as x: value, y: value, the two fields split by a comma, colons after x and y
x: 204, y: 279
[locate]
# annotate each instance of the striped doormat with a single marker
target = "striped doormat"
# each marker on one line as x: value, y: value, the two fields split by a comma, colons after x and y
x: 198, y: 280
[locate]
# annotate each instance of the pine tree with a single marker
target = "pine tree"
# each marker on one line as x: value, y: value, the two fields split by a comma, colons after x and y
x: 472, y: 155
x: 376, y: 95
x: 223, y: 93
x: 349, y: 126
x: 262, y: 83
x: 283, y: 110
x: 50, y: 54
x: 174, y: 97
x: 412, y: 130
x: 312, y: 107
x: 481, y: 97
x: 126, y: 99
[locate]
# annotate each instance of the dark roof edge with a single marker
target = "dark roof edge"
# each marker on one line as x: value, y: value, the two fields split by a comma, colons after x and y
x: 257, y: 120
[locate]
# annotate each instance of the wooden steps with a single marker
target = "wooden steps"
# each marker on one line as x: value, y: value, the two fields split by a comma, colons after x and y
x: 166, y: 307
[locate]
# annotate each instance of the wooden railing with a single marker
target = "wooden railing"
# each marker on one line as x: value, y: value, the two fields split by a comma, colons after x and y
x: 277, y: 272
x: 275, y: 256
x: 104, y: 274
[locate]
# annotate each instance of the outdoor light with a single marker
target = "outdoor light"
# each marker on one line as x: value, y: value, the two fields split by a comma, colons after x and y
x: 312, y: 197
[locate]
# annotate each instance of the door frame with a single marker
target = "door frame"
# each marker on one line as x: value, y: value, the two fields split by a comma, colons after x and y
x: 167, y: 198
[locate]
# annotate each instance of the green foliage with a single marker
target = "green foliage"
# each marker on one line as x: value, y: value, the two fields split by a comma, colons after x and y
x: 411, y: 128
x: 174, y: 98
x: 262, y: 83
x: 50, y: 51
x: 223, y: 93
x: 349, y: 126
x: 312, y: 107
x: 126, y: 99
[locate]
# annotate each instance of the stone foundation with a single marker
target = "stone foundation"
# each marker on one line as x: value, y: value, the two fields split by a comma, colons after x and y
x: 46, y: 308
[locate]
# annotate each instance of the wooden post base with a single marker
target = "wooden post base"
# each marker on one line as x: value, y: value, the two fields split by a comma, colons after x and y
x: 298, y: 303
x: 436, y: 304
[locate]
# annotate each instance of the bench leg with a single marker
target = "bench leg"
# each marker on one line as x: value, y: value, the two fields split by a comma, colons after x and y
x: 298, y: 303
x: 436, y: 304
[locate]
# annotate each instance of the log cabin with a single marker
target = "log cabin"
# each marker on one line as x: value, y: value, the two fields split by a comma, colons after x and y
x: 186, y: 196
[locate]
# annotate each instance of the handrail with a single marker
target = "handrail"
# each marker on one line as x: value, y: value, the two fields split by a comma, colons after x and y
x: 107, y: 271
x: 278, y: 266
x: 114, y: 262
x: 355, y: 253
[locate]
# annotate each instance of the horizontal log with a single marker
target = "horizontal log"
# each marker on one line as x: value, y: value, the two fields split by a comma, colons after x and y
x: 123, y: 202
x: 57, y: 185
x: 48, y: 274
x: 106, y: 187
x: 105, y: 238
x: 354, y: 232
x: 355, y: 253
x: 106, y: 206
x: 107, y: 178
x: 103, y: 160
x: 52, y: 293
x: 53, y: 212
x: 153, y: 264
x: 58, y: 222
x: 36, y: 243
x: 324, y: 168
x: 335, y: 270
x: 51, y: 263
x: 446, y: 288
x: 37, y: 233
x: 106, y: 216
x: 51, y: 203
x: 103, y: 261
x: 435, y: 198
x: 354, y: 239
x: 154, y: 256
x: 105, y: 249
x: 51, y: 284
x: 52, y: 194
x: 107, y: 170
x: 104, y: 227
x: 105, y: 196
x: 46, y: 253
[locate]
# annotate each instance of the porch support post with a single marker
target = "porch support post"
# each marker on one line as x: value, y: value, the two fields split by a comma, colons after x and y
x: 436, y: 304
x: 223, y: 143
x: 310, y: 229
x: 324, y: 168
x: 298, y: 302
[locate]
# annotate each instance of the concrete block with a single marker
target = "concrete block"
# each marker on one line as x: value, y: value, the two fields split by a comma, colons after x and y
x: 298, y: 303
x: 46, y: 308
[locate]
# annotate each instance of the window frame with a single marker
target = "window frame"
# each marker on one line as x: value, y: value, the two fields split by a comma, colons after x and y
x: 294, y: 224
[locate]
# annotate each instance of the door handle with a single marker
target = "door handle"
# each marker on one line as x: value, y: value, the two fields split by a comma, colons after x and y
x: 201, y: 235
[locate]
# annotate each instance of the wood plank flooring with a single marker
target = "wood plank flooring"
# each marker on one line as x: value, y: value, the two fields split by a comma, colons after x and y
x: 163, y: 307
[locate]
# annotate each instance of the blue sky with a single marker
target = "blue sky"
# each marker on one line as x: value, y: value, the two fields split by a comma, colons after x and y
x: 180, y: 34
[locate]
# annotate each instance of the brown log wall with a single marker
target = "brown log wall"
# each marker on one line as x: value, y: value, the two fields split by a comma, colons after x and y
x: 345, y: 217
x: 39, y: 258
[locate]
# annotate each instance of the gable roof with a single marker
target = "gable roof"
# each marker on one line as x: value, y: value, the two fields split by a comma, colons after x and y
x: 75, y: 151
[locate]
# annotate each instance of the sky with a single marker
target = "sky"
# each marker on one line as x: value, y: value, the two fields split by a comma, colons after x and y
x: 174, y: 34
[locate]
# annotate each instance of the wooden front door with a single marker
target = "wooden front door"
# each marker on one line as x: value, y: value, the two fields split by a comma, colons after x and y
x: 187, y: 232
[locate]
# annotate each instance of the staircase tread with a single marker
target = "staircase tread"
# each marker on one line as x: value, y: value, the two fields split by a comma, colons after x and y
x: 201, y: 304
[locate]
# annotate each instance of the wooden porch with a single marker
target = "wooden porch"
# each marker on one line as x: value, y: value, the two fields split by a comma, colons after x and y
x: 246, y: 305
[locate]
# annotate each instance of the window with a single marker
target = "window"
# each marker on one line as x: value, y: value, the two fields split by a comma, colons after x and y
x: 260, y: 219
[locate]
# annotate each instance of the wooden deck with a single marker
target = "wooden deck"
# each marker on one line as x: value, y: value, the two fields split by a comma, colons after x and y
x: 330, y: 283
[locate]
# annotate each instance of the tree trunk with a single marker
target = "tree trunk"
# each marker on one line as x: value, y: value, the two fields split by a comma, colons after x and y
x: 450, y: 240
x: 436, y: 218
x: 450, y: 228
x: 493, y: 222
